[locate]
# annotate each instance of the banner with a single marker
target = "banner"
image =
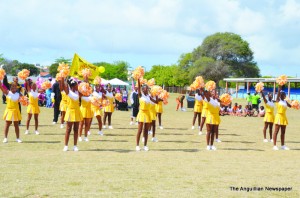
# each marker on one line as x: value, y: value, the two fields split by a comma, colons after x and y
x: 78, y: 64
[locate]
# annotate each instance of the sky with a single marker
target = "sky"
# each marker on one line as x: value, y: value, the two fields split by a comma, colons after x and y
x: 148, y: 32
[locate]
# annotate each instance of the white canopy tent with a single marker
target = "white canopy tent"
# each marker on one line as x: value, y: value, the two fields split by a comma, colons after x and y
x: 117, y: 81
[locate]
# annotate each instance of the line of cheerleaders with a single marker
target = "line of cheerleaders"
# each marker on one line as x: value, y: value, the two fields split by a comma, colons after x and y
x: 77, y: 115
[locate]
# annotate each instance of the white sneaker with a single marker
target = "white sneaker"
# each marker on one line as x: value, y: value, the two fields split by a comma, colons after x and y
x: 80, y: 139
x: 193, y: 127
x: 104, y: 127
x: 62, y: 126
x: 53, y: 122
x: 198, y: 127
x: 136, y: 123
x: 5, y: 140
x: 86, y: 139
x: 200, y: 133
x: 131, y: 123
x: 154, y: 139
x: 37, y: 133
x: 208, y: 148
x: 75, y: 148
x: 218, y: 140
x: 146, y: 148
x: 265, y: 140
x: 161, y: 127
x: 26, y: 132
x: 275, y: 148
x: 18, y: 140
x: 65, y: 148
x: 89, y: 133
x: 213, y: 148
x: 271, y: 140
x: 149, y: 132
x: 110, y: 127
x: 143, y: 139
x: 100, y: 133
x: 137, y: 148
x: 285, y: 148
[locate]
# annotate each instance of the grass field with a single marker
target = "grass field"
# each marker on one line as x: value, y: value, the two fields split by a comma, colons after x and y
x: 177, y: 166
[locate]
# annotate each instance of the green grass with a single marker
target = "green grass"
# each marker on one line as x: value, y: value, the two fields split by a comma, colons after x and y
x: 177, y: 166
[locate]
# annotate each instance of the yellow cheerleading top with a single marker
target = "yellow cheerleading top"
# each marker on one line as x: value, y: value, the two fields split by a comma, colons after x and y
x: 33, y: 107
x: 198, y: 104
x: 159, y: 107
x: 12, y: 111
x: 152, y: 110
x: 269, y: 116
x: 213, y: 110
x: 110, y: 108
x: 64, y: 101
x: 204, y: 109
x: 96, y: 110
x: 144, y: 111
x: 73, y: 113
x: 85, y: 107
x: 280, y: 117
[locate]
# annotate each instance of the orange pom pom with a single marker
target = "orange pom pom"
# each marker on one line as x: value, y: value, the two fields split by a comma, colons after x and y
x: 151, y: 82
x: 164, y: 95
x: 295, y: 104
x: 156, y: 90
x: 282, y: 80
x: 259, y: 87
x: 226, y: 99
x: 85, y: 89
x: 86, y: 72
x: 23, y: 74
x: 138, y: 73
x: 58, y: 76
x: 105, y: 103
x: 46, y: 85
x: 63, y: 69
x: 118, y: 97
x: 97, y: 80
x: 200, y: 82
x: 96, y: 101
x: 24, y: 100
x: 2, y: 73
x: 143, y: 81
x: 210, y: 85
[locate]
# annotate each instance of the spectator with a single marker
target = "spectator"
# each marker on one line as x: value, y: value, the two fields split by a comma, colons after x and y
x: 255, y: 100
x: 249, y: 100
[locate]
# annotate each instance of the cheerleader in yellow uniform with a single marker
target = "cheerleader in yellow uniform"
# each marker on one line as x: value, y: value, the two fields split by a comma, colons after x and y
x: 203, y: 115
x: 63, y: 108
x: 73, y: 115
x: 269, y: 116
x: 12, y: 112
x: 109, y: 109
x: 212, y: 119
x: 144, y: 116
x: 97, y: 110
x: 153, y: 118
x: 33, y: 107
x: 280, y: 119
x: 197, y: 110
x: 86, y: 112
x: 159, y: 111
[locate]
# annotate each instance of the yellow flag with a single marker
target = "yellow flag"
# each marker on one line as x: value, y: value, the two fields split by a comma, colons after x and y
x: 78, y: 64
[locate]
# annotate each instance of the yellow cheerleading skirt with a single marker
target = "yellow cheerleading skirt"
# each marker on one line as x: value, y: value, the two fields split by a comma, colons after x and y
x: 144, y: 116
x: 153, y: 112
x: 159, y: 107
x: 213, y: 119
x: 73, y: 115
x: 198, y: 108
x: 12, y: 115
x: 109, y: 108
x: 63, y: 106
x: 33, y: 109
x: 204, y: 113
x: 269, y: 117
x: 96, y: 111
x: 86, y: 112
x: 281, y: 119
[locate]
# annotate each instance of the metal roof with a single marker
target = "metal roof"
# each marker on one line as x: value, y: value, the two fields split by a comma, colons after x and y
x: 258, y: 79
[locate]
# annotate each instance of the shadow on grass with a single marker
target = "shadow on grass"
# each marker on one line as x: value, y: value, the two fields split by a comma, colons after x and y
x: 292, y: 142
x: 181, y: 129
x: 126, y: 128
x: 174, y: 133
x: 110, y: 150
x: 176, y: 150
x: 231, y: 134
x: 108, y: 140
x: 118, y: 135
x: 42, y: 142
x: 244, y: 142
x: 52, y: 133
x: 241, y: 149
x: 175, y: 141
